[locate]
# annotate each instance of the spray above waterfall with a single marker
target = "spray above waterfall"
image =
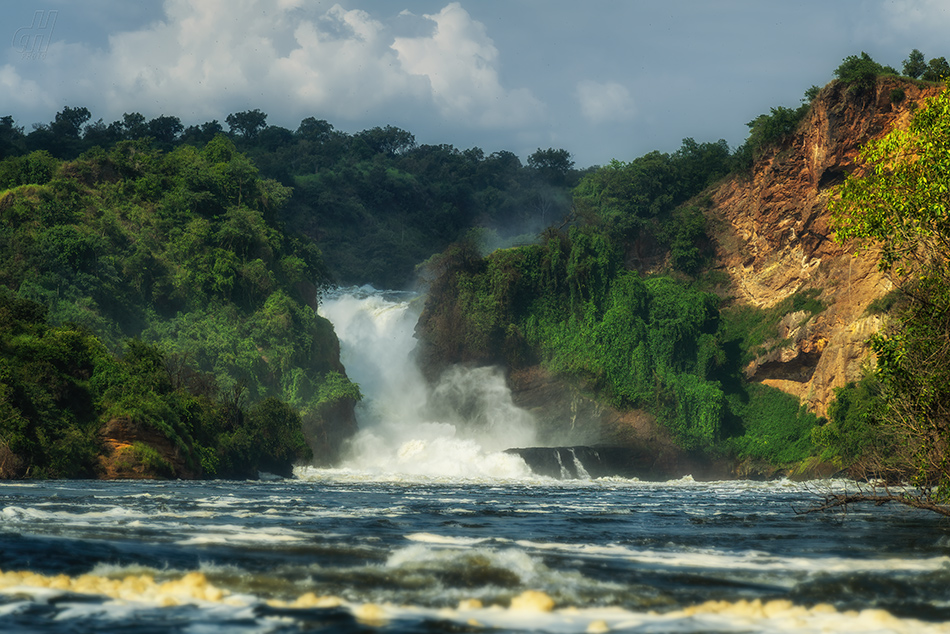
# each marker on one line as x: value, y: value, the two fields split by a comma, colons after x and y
x: 458, y: 427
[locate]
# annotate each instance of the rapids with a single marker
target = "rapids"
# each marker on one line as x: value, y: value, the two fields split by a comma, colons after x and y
x: 332, y: 552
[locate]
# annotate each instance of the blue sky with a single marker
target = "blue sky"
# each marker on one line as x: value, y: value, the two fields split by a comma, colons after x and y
x: 601, y: 79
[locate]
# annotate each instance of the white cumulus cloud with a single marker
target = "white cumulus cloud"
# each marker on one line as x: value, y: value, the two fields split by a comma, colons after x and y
x: 459, y: 60
x: 602, y: 102
x: 290, y: 58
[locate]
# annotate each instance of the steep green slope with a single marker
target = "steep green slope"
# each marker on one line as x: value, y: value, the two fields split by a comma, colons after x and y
x: 637, y: 332
x: 181, y: 250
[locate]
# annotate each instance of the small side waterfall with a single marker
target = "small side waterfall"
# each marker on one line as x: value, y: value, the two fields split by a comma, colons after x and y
x: 579, y: 466
x: 458, y: 428
x: 564, y: 473
x: 586, y: 463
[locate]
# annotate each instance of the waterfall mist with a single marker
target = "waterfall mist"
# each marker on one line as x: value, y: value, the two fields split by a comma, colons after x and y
x: 457, y: 428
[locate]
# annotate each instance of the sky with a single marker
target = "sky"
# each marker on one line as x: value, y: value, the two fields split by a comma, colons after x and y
x: 603, y: 79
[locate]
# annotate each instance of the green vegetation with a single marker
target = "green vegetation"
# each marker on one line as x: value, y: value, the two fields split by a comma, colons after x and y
x: 769, y: 130
x: 776, y: 428
x: 900, y: 202
x: 938, y: 69
x: 653, y: 343
x: 62, y: 389
x: 853, y: 432
x: 754, y: 328
x: 860, y: 72
x: 173, y: 262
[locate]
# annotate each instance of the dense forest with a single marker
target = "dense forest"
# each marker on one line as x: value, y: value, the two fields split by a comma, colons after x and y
x: 154, y: 287
x: 167, y: 276
x: 375, y: 202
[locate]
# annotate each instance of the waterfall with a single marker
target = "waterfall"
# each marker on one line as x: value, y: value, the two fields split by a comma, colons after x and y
x: 457, y: 428
x: 579, y: 469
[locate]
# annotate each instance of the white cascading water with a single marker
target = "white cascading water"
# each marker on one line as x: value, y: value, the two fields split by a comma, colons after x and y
x: 458, y: 429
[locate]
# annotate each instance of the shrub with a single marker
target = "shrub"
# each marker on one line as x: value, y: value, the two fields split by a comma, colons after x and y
x: 852, y: 426
x: 776, y: 427
x: 860, y: 73
x: 768, y: 130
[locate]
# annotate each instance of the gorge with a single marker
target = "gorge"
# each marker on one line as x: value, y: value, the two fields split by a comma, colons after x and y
x: 692, y: 309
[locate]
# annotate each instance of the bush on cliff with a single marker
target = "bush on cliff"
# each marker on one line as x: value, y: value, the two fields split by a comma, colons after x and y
x: 860, y: 72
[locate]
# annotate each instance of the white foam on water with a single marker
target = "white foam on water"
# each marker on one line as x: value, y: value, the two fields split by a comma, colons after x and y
x: 457, y: 428
x: 231, y: 533
x: 748, y: 560
x: 15, y: 514
x: 519, y: 475
x: 140, y: 595
x: 525, y: 567
x: 431, y: 538
x: 747, y: 617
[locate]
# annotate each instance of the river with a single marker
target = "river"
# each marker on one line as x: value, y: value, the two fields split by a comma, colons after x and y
x: 429, y: 527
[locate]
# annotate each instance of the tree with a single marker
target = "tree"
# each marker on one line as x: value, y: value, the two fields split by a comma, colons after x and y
x: 313, y: 129
x: 248, y: 123
x: 915, y: 65
x: 390, y: 140
x: 11, y: 137
x: 274, y: 137
x: 768, y: 130
x: 937, y: 70
x: 165, y: 129
x: 201, y: 134
x: 131, y: 127
x: 98, y: 133
x: 899, y: 203
x: 553, y: 165
x: 69, y: 121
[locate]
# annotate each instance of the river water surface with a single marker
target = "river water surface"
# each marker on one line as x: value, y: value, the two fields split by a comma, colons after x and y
x: 343, y: 552
x: 430, y: 527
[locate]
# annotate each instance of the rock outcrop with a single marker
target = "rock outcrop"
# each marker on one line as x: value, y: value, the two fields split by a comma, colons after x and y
x: 773, y: 237
x: 132, y: 451
x: 605, y: 461
x: 629, y: 443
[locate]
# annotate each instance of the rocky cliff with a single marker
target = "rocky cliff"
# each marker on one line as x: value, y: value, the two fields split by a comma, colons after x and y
x: 772, y: 237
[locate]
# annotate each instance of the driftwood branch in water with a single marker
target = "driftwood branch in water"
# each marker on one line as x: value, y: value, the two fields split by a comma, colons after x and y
x: 841, y: 500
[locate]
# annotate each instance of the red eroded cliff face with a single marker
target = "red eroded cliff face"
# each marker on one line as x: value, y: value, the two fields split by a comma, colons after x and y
x: 773, y: 238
